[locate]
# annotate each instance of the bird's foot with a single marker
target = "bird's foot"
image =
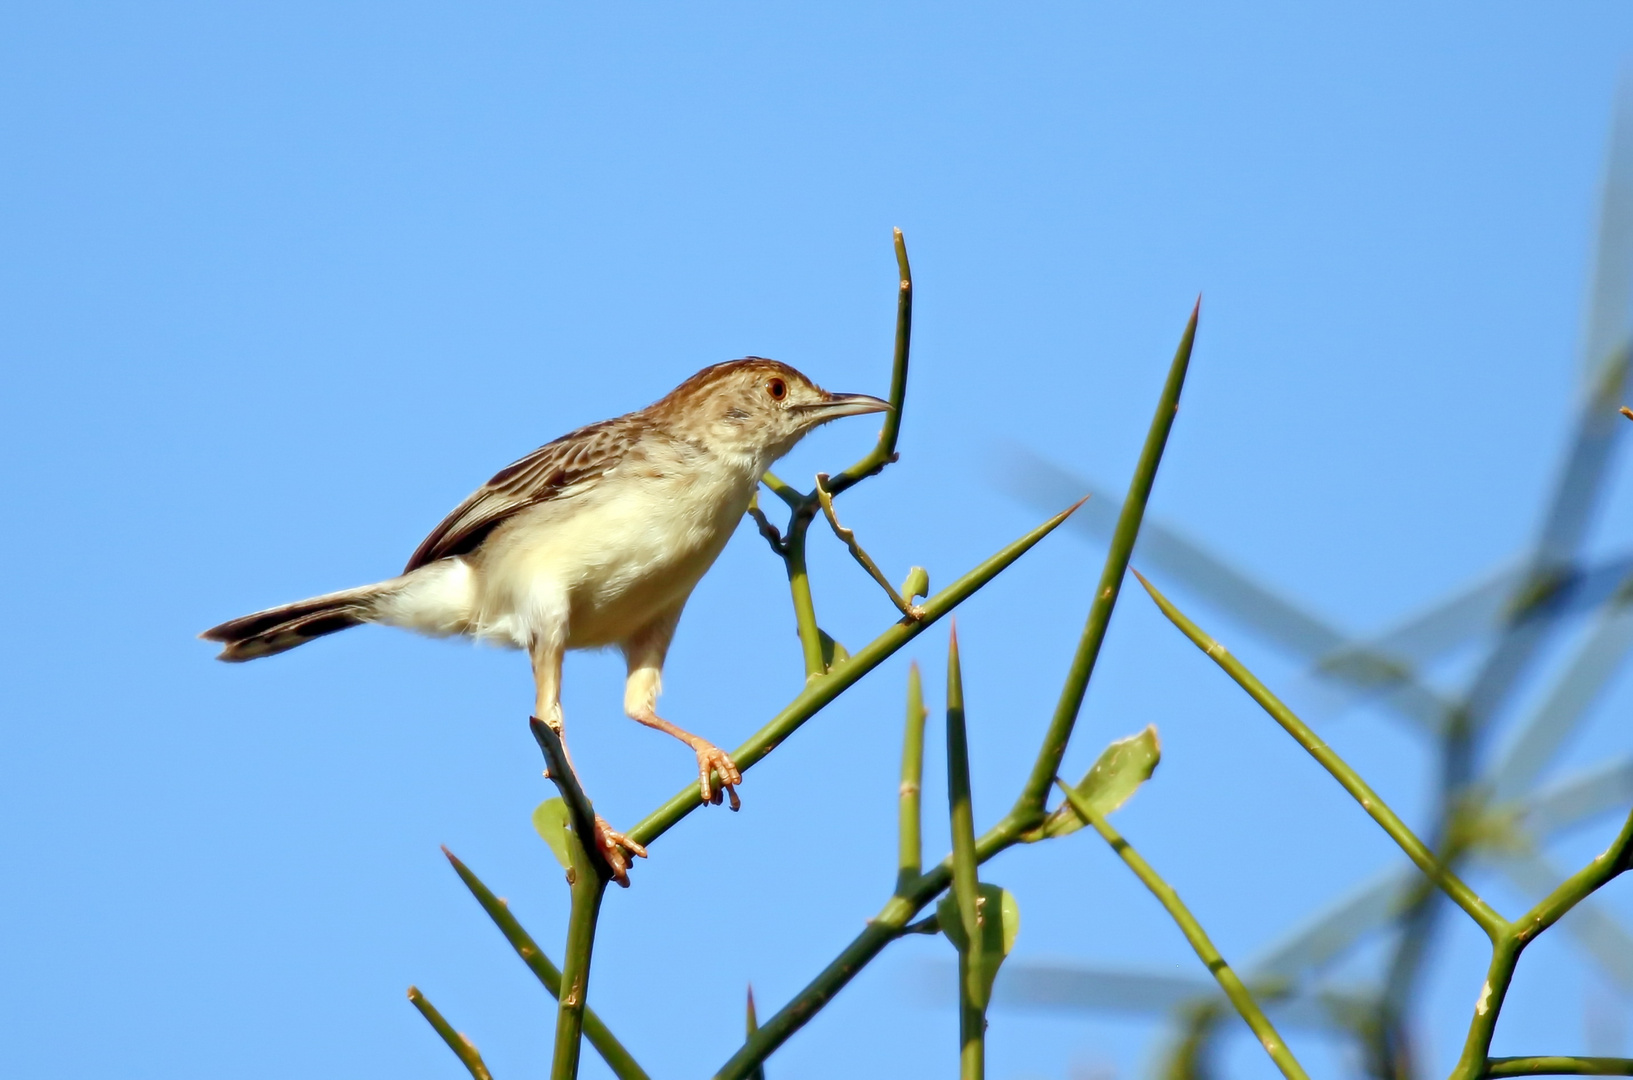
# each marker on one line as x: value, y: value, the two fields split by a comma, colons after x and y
x: 711, y: 758
x: 616, y: 848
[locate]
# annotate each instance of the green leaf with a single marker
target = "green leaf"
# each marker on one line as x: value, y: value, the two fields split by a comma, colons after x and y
x: 550, y: 819
x: 999, y: 919
x: 916, y: 585
x: 1122, y: 768
x: 833, y: 653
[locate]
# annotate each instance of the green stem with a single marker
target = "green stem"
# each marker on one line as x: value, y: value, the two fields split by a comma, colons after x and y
x: 819, y: 692
x: 1559, y: 1065
x: 1031, y: 800
x: 848, y: 538
x: 799, y: 587
x: 884, y: 452
x: 462, y: 1047
x: 588, y: 879
x: 618, y: 1059
x: 1573, y: 890
x: 1228, y: 980
x: 783, y: 490
x: 972, y: 1020
x: 889, y: 924
x: 751, y: 1024
x: 1507, y: 946
x: 1482, y: 913
x: 587, y: 890
x: 910, y: 848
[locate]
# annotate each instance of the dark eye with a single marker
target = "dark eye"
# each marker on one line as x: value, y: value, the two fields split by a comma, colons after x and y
x: 777, y: 389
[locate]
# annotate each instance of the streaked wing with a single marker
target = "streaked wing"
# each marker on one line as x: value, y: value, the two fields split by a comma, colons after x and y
x: 555, y: 470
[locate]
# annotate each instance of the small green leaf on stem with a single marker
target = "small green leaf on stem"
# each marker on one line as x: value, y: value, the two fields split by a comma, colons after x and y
x: 916, y: 585
x: 551, y: 821
x: 1122, y: 768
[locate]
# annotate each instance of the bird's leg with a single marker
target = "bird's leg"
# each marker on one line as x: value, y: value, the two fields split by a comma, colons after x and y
x: 640, y: 699
x: 546, y: 654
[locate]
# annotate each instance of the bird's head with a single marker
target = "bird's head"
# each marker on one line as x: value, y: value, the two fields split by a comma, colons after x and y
x: 757, y: 407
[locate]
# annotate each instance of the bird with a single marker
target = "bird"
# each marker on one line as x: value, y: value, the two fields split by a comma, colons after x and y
x: 595, y: 540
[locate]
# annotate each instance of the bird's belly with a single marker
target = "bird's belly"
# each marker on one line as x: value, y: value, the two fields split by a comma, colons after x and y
x: 610, y: 566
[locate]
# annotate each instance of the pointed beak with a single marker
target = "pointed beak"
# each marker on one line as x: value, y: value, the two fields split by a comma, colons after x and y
x: 834, y: 406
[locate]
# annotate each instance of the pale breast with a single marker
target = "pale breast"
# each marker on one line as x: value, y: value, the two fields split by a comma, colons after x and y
x: 618, y: 555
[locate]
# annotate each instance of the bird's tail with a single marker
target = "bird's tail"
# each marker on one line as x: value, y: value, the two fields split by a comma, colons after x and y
x: 279, y: 629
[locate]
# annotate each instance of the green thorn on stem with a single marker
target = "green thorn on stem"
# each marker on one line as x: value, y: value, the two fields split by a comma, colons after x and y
x: 1229, y: 982
x: 606, y: 1044
x: 1482, y: 913
x: 910, y: 847
x: 972, y: 1020
x: 1030, y: 803
x: 462, y: 1047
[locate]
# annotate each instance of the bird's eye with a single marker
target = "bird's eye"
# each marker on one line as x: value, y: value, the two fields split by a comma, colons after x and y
x: 777, y: 389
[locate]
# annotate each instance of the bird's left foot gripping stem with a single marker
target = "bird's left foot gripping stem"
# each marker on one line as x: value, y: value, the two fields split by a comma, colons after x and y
x: 616, y: 849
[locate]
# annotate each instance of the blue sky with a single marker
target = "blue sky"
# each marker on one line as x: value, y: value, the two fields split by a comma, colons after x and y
x: 279, y: 286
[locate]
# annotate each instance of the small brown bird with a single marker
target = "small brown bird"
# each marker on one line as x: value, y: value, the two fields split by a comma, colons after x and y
x: 594, y: 540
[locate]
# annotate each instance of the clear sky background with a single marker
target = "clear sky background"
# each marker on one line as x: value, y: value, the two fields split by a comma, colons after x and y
x: 279, y: 286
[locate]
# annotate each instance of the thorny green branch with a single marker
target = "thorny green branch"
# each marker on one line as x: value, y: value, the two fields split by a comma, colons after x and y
x: 611, y: 1050
x: 972, y: 1018
x: 1229, y: 982
x: 1031, y: 800
x: 893, y: 919
x: 1424, y: 859
x: 1560, y: 1066
x: 462, y: 1047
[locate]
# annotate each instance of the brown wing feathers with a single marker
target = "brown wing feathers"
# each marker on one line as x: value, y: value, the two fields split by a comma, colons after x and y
x: 552, y: 471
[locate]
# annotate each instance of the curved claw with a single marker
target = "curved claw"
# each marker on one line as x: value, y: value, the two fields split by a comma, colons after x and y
x: 613, y: 846
x: 711, y: 758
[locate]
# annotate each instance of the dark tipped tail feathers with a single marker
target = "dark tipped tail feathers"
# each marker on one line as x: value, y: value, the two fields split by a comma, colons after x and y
x: 280, y: 629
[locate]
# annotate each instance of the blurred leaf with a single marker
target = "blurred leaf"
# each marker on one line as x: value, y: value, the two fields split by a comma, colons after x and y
x: 833, y: 653
x: 550, y: 819
x: 916, y: 585
x: 999, y: 919
x: 1122, y: 768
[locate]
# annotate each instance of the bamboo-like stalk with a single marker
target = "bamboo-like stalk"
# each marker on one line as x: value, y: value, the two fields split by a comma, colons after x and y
x: 618, y: 1059
x: 1453, y: 886
x: 1228, y: 980
x: 819, y: 692
x: 1031, y: 800
x: 910, y: 848
x: 463, y: 1048
x: 972, y: 1019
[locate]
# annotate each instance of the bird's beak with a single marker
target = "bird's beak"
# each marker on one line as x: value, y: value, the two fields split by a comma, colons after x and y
x: 834, y: 406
